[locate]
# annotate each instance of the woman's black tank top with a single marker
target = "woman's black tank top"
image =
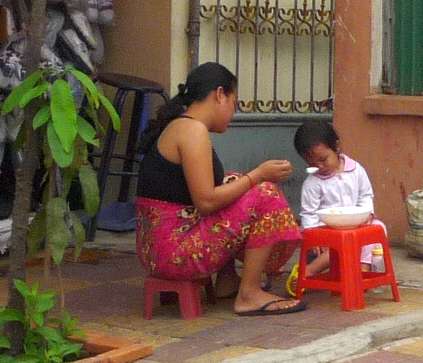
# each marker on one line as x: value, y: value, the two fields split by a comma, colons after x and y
x: 162, y: 179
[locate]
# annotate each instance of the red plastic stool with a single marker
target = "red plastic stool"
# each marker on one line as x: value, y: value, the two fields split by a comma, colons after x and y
x: 345, y: 275
x: 188, y: 295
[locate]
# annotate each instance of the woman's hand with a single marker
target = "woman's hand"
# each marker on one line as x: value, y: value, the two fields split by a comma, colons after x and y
x: 271, y: 170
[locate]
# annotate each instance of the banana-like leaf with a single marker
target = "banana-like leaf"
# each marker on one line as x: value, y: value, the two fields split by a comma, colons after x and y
x: 18, y: 92
x: 68, y: 176
x: 90, y: 192
x: 87, y: 132
x: 33, y: 93
x: 9, y: 314
x: 4, y: 343
x: 63, y: 112
x: 92, y: 114
x: 87, y: 83
x: 62, y: 158
x: 36, y: 232
x: 111, y: 111
x: 79, y: 234
x: 58, y: 234
x: 41, y: 117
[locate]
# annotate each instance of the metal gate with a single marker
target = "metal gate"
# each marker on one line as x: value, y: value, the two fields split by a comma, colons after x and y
x: 280, y: 50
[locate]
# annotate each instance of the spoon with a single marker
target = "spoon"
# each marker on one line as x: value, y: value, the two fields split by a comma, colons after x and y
x: 311, y: 170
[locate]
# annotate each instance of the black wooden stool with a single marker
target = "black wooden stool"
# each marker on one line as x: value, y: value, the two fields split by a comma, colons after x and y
x: 124, y: 85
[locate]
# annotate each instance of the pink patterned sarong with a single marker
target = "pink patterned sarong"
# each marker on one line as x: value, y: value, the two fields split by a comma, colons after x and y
x: 175, y: 242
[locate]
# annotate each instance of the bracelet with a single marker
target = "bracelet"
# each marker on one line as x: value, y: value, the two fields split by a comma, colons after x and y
x: 251, y: 180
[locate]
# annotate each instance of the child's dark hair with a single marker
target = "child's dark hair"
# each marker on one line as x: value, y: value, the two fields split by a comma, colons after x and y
x: 200, y: 82
x: 312, y: 133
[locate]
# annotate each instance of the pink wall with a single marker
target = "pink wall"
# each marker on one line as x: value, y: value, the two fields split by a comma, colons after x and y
x: 389, y: 147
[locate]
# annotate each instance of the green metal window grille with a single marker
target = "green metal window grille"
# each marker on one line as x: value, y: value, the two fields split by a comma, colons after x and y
x: 403, y: 47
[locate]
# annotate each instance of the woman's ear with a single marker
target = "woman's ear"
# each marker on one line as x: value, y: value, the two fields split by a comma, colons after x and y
x: 338, y: 146
x: 220, y: 94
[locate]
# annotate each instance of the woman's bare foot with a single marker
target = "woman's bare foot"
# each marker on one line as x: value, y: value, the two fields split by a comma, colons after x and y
x: 254, y: 300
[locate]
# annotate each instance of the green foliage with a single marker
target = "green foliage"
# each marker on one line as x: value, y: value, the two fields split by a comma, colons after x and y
x: 90, y: 192
x: 46, y: 340
x: 63, y: 113
x: 58, y: 233
x: 65, y: 135
x: 12, y: 101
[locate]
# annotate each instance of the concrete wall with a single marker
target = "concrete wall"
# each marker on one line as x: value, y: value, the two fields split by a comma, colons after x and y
x: 139, y: 41
x: 138, y: 44
x: 387, y: 140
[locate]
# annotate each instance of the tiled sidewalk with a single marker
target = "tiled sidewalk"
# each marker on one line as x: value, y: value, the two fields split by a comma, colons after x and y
x: 106, y: 295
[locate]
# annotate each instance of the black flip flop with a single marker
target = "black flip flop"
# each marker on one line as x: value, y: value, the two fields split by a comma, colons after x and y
x: 300, y: 306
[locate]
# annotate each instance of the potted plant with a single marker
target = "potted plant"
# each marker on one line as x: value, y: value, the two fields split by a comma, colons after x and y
x: 54, y: 132
x: 56, y: 340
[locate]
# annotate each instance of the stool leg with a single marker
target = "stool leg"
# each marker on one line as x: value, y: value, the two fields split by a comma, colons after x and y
x: 106, y: 158
x: 148, y: 302
x: 190, y: 300
x: 334, y: 271
x: 137, y: 112
x: 352, y: 287
x: 389, y: 269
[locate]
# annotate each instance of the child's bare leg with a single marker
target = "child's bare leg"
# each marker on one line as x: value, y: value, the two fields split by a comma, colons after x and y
x: 319, y: 264
x: 365, y: 267
x: 250, y: 295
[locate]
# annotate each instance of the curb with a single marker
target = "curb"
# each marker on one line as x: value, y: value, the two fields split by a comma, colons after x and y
x: 351, y: 341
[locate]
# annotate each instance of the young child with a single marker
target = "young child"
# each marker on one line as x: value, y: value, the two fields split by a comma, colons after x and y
x: 340, y: 181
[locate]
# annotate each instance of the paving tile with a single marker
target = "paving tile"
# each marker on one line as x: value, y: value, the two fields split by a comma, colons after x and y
x: 137, y: 335
x: 186, y: 349
x: 104, y: 300
x: 414, y: 348
x: 318, y: 317
x: 222, y: 354
x: 108, y: 270
x: 164, y: 326
x: 237, y: 331
x: 386, y: 357
x: 287, y: 337
x: 53, y: 283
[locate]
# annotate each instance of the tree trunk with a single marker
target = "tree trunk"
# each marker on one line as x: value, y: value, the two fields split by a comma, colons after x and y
x: 34, y: 25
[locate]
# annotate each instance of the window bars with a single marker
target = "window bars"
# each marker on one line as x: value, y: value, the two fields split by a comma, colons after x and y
x: 280, y: 50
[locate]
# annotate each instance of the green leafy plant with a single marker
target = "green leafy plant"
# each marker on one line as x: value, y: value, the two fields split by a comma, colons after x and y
x: 65, y: 136
x: 46, y: 340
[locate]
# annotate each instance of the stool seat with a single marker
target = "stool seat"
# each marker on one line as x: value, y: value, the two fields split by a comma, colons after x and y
x: 130, y: 83
x: 345, y: 275
x: 188, y: 295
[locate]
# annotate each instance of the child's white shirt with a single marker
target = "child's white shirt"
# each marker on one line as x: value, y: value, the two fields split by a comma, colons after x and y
x: 349, y: 188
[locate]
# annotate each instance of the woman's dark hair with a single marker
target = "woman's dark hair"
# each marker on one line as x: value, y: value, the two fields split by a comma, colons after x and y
x: 200, y: 82
x: 312, y: 133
